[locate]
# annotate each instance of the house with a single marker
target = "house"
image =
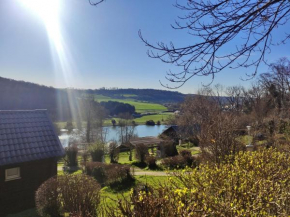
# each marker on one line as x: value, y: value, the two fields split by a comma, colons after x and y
x: 171, y: 132
x: 175, y: 133
x: 29, y: 149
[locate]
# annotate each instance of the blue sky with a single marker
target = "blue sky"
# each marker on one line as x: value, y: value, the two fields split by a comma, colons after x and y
x: 101, y: 47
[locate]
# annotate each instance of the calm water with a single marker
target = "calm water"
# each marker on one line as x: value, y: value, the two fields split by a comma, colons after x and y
x: 140, y: 130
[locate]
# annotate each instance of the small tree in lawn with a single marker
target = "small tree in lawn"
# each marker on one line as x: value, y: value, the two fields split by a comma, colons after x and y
x: 71, y: 153
x: 69, y: 126
x: 141, y: 152
x: 97, y: 151
x: 114, y: 152
x: 113, y: 122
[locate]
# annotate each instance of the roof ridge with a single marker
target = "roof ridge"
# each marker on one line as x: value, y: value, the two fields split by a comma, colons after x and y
x: 33, y: 110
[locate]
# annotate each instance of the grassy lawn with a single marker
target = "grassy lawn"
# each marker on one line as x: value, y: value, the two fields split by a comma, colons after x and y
x: 245, y: 139
x: 123, y: 157
x: 140, y: 107
x: 193, y: 149
x: 110, y: 196
x: 160, y: 117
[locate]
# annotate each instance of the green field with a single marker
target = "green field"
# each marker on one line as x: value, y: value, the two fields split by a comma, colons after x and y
x: 160, y: 117
x: 141, y: 107
x: 140, y: 121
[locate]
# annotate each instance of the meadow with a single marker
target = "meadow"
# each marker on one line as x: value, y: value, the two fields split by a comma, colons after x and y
x: 141, y: 107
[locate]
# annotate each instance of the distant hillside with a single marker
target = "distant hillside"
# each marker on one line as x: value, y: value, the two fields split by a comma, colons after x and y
x: 148, y: 95
x: 20, y: 95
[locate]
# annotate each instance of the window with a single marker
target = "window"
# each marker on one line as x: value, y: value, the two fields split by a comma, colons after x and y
x: 13, y: 173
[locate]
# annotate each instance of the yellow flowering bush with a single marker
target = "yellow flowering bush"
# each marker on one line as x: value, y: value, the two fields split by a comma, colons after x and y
x: 253, y: 184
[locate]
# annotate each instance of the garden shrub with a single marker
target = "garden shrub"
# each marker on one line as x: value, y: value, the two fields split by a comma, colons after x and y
x: 97, y: 152
x: 78, y: 195
x: 96, y: 170
x: 169, y: 149
x: 150, y: 123
x: 185, y: 152
x: 188, y: 158
x: 141, y: 151
x: 108, y: 173
x: 176, y: 162
x: 151, y: 162
x: 47, y: 199
x: 71, y: 153
x: 253, y: 184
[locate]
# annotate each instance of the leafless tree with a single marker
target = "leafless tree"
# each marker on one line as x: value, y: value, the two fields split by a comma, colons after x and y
x: 126, y: 131
x: 235, y: 97
x: 94, y: 115
x: 277, y: 84
x: 256, y: 103
x: 202, y: 117
x: 214, y: 24
x: 113, y: 152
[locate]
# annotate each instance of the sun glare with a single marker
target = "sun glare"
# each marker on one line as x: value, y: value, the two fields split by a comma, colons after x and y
x: 48, y: 11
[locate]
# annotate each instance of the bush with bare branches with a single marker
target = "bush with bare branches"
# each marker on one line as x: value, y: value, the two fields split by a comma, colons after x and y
x: 74, y: 194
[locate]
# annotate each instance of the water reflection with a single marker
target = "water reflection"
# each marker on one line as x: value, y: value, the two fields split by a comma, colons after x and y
x: 140, y: 130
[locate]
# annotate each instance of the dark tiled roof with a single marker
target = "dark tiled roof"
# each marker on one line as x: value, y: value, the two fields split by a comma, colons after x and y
x: 173, y: 127
x: 27, y: 136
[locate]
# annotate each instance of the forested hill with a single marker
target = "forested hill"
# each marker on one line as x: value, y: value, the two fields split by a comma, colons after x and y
x: 20, y: 95
x: 148, y: 95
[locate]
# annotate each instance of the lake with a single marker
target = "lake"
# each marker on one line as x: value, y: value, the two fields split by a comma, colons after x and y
x: 140, y: 130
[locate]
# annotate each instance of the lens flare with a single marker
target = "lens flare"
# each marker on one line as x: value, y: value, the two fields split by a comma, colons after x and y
x: 48, y: 11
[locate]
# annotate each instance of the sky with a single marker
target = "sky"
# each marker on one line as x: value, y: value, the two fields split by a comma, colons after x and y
x: 69, y: 43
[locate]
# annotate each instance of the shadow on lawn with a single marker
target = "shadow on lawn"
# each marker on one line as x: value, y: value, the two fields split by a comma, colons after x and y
x: 123, y: 185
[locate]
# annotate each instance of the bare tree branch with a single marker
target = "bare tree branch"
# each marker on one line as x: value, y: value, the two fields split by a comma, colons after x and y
x: 214, y: 24
x: 95, y: 2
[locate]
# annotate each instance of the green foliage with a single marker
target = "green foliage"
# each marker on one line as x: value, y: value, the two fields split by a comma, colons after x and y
x: 113, y: 122
x: 254, y: 184
x: 150, y: 123
x: 78, y: 195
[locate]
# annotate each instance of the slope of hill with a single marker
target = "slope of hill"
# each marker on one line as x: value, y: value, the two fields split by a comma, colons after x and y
x: 146, y: 95
x: 20, y: 95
